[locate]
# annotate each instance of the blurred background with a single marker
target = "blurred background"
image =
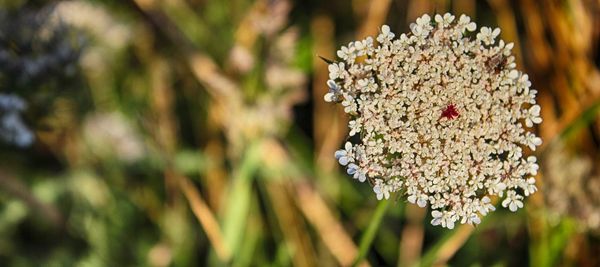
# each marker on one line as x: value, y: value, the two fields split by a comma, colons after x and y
x: 194, y: 133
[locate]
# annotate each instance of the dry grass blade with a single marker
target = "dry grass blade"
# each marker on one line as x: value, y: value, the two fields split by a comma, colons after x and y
x: 328, y: 130
x: 449, y: 244
x: 378, y: 11
x: 291, y: 225
x: 330, y: 229
x: 446, y: 247
x: 412, y: 236
x: 453, y: 244
x: 204, y: 215
x: 466, y: 7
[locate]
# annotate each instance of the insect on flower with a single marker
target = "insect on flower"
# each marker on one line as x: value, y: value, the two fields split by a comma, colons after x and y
x: 497, y: 63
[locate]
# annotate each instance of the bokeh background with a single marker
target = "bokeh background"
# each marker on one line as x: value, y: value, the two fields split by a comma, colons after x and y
x: 194, y: 133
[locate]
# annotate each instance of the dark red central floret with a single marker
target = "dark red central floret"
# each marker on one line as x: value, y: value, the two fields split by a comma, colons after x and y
x: 450, y: 112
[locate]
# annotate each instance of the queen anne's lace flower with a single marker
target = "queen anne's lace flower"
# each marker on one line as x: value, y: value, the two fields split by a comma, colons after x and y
x: 441, y: 117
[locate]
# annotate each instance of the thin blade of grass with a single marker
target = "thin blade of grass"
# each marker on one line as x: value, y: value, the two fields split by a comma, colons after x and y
x: 330, y: 229
x: 292, y: 225
x: 238, y: 204
x: 204, y: 215
x: 413, y: 234
x: 584, y: 119
x: 430, y: 255
x: 369, y: 235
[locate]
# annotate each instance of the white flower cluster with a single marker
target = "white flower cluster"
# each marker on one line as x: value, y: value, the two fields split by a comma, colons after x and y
x: 442, y: 115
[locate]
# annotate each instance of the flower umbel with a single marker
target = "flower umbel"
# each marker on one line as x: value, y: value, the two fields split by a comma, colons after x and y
x: 441, y: 115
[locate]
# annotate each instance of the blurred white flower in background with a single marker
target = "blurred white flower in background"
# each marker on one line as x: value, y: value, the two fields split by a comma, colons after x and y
x: 572, y: 186
x: 112, y: 135
x: 12, y: 128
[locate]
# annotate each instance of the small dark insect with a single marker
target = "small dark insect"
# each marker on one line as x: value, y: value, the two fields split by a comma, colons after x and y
x: 328, y: 61
x: 496, y: 63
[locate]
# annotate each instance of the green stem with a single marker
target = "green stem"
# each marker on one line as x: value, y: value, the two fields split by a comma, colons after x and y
x: 369, y: 235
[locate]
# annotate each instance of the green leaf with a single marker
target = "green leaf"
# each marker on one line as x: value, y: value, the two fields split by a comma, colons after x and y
x: 240, y: 198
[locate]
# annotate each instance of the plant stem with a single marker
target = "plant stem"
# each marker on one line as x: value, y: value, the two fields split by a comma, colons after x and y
x: 369, y: 235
